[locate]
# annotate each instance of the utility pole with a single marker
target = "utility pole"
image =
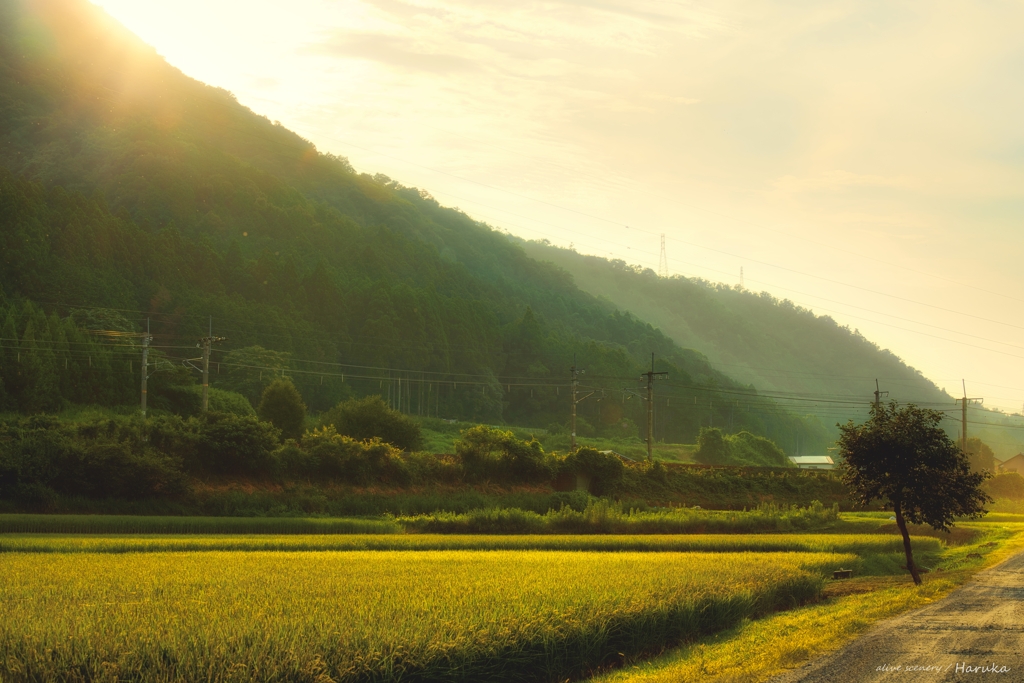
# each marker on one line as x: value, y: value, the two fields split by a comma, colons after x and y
x: 205, y: 343
x: 663, y: 259
x: 575, y: 372
x: 651, y: 376
x: 878, y: 394
x: 145, y: 365
x: 964, y: 401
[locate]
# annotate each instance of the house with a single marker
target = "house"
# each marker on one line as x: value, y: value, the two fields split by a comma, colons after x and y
x: 813, y: 462
x: 1014, y: 464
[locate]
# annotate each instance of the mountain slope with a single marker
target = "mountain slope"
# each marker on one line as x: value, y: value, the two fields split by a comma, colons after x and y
x: 773, y: 344
x: 781, y: 348
x: 130, y: 186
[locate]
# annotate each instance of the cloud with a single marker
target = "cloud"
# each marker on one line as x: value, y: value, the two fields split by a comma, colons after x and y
x: 391, y: 51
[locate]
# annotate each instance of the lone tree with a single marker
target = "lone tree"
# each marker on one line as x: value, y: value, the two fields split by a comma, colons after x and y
x: 282, y: 406
x: 902, y: 456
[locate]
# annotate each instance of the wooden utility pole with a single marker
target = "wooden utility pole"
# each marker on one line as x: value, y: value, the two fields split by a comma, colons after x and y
x: 145, y: 365
x: 878, y: 394
x: 651, y: 375
x: 206, y: 343
x: 964, y: 401
x: 575, y: 372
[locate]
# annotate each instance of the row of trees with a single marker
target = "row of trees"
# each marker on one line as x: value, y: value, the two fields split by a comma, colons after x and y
x: 43, y: 457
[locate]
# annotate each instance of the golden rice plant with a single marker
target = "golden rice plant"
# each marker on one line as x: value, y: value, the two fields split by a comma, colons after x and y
x: 452, y: 615
x: 859, y: 544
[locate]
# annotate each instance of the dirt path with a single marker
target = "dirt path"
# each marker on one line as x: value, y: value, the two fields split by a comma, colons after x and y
x: 976, y: 633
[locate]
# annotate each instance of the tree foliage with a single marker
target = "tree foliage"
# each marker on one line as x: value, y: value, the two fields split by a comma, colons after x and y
x: 282, y: 406
x: 981, y: 456
x: 604, y: 469
x: 902, y: 456
x: 486, y: 450
x: 744, y: 449
x: 371, y: 418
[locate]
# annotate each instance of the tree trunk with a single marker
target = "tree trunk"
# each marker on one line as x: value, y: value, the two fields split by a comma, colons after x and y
x: 902, y: 524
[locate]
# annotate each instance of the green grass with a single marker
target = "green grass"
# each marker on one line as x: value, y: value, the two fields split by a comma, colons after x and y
x: 376, y: 616
x: 123, y: 524
x: 598, y: 517
x: 757, y: 650
x: 602, y: 516
x: 865, y: 545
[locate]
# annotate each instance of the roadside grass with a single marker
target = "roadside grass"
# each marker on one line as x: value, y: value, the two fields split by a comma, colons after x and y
x: 756, y: 650
x: 376, y: 616
x: 877, y: 553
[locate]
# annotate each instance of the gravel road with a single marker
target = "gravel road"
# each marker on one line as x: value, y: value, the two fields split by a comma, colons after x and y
x: 976, y: 633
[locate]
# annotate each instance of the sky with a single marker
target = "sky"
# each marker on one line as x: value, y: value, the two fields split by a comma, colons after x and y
x: 862, y: 159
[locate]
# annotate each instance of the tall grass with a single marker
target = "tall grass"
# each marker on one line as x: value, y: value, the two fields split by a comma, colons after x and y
x: 598, y: 517
x: 605, y: 517
x: 369, y: 616
x: 123, y: 524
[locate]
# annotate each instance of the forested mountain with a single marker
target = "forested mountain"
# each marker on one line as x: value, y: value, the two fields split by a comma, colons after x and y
x: 781, y: 348
x: 771, y: 343
x: 131, y: 192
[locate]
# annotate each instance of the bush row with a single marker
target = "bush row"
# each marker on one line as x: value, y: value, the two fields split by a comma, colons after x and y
x: 129, y: 458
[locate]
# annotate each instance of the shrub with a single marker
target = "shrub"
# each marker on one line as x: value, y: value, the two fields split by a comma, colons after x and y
x: 337, y: 456
x: 116, y: 470
x: 443, y: 468
x: 584, y: 428
x: 744, y: 448
x: 657, y: 473
x: 488, y: 453
x: 370, y: 418
x: 222, y: 401
x: 748, y: 449
x: 108, y: 458
x: 282, y: 406
x: 603, y: 469
x: 229, y: 444
x: 711, y: 447
x: 1006, y: 485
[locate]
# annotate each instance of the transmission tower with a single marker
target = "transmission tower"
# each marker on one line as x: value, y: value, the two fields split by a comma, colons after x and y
x: 663, y: 261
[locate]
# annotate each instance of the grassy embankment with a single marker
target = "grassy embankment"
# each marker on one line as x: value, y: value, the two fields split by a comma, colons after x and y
x: 598, y: 517
x: 756, y: 650
x: 720, y: 488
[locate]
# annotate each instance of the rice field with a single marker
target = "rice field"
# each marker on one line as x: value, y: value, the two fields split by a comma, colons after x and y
x: 363, y: 615
x: 132, y: 524
x: 859, y: 544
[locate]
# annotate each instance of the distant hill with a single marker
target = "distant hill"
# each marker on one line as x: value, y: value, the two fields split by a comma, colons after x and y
x: 771, y: 343
x: 775, y: 345
x: 132, y: 192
